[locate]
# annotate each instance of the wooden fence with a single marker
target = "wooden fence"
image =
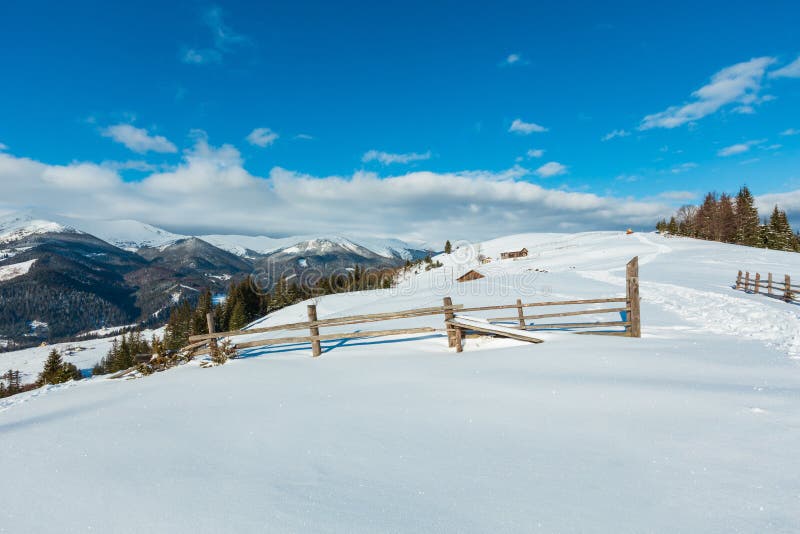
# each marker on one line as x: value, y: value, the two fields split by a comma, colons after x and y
x: 769, y: 286
x: 631, y: 323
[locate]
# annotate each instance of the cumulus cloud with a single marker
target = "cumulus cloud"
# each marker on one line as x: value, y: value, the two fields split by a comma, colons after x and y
x: 524, y: 128
x: 615, y: 133
x: 738, y: 84
x: 535, y: 153
x: 386, y: 158
x: 792, y: 70
x: 138, y: 139
x: 552, y: 168
x: 262, y: 137
x: 210, y: 191
x: 788, y: 201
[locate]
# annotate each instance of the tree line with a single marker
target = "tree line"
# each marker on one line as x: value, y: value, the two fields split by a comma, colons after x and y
x: 733, y: 219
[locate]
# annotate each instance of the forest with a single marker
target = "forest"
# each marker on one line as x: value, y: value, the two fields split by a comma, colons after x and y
x: 733, y: 219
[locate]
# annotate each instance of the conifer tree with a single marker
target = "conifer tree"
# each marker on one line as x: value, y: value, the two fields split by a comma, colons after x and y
x: 448, y: 248
x: 747, y: 223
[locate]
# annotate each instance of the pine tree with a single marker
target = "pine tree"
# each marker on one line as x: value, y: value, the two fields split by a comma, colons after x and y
x: 448, y: 248
x: 747, y: 223
x: 727, y: 219
x: 238, y: 318
x: 56, y: 370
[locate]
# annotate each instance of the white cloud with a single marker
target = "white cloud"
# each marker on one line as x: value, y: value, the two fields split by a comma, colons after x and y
x: 792, y: 70
x: 521, y: 127
x: 223, y: 36
x: 535, y: 153
x: 615, y: 133
x: 3, y: 146
x: 512, y: 59
x: 211, y: 192
x: 304, y: 137
x: 738, y: 148
x: 552, y: 168
x: 683, y: 167
x: 790, y: 131
x: 262, y: 137
x: 202, y: 56
x: 387, y: 158
x: 737, y: 84
x: 138, y: 139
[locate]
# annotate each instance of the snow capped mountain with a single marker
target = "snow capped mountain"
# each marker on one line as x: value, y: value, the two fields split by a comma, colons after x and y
x: 247, y: 246
x: 21, y: 225
x: 129, y: 234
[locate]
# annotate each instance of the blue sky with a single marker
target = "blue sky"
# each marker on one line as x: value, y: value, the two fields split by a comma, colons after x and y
x: 321, y: 90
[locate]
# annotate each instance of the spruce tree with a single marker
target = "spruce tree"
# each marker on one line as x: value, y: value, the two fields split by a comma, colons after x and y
x: 448, y: 248
x: 747, y: 223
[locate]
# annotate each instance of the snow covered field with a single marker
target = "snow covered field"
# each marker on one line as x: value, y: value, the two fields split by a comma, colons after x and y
x: 695, y: 427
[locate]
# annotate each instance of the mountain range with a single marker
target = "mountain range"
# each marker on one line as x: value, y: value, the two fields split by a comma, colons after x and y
x: 60, y: 276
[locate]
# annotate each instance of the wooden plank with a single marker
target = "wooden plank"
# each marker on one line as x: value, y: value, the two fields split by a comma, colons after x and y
x: 552, y: 303
x: 336, y: 321
x: 769, y: 283
x: 520, y: 314
x: 787, y: 291
x: 757, y: 283
x: 632, y: 294
x: 326, y: 337
x: 448, y: 316
x: 489, y: 330
x: 316, y: 349
x: 622, y: 333
x: 739, y: 280
x: 576, y: 325
x: 458, y: 335
x: 746, y: 281
x: 561, y: 314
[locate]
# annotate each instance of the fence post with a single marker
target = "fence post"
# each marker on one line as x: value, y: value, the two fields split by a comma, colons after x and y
x: 769, y: 283
x: 449, y: 316
x: 316, y: 350
x: 739, y: 280
x: 787, y: 288
x: 632, y: 297
x: 758, y: 279
x: 210, y: 322
x: 457, y: 339
x: 521, y: 314
x: 746, y: 281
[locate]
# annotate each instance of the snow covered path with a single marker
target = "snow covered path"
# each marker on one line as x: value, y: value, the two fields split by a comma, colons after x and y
x: 695, y: 427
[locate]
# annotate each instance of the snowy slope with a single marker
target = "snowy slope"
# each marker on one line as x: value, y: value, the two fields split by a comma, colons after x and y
x: 694, y: 427
x: 20, y: 225
x: 129, y: 234
x: 317, y: 244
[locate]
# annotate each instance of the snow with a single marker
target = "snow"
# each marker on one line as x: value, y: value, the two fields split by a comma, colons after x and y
x: 240, y: 245
x: 130, y: 235
x: 9, y: 272
x: 20, y: 225
x: 695, y: 427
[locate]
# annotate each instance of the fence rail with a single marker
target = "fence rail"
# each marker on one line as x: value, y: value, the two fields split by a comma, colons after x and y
x: 203, y: 343
x: 774, y: 288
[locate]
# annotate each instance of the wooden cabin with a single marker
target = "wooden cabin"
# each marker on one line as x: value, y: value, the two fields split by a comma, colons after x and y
x: 469, y: 276
x: 514, y: 254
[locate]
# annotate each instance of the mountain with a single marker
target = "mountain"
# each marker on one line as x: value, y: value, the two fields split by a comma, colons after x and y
x: 61, y: 276
x: 129, y: 234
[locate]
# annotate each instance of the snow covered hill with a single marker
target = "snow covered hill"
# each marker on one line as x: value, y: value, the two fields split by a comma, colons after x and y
x: 694, y: 427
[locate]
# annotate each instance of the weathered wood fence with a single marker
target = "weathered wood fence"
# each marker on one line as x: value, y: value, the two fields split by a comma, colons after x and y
x: 769, y: 286
x: 631, y: 322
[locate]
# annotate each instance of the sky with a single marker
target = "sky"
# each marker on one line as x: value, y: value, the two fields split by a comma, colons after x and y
x: 417, y: 120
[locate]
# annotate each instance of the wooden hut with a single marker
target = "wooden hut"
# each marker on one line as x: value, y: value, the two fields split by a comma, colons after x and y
x: 514, y: 254
x: 470, y: 275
